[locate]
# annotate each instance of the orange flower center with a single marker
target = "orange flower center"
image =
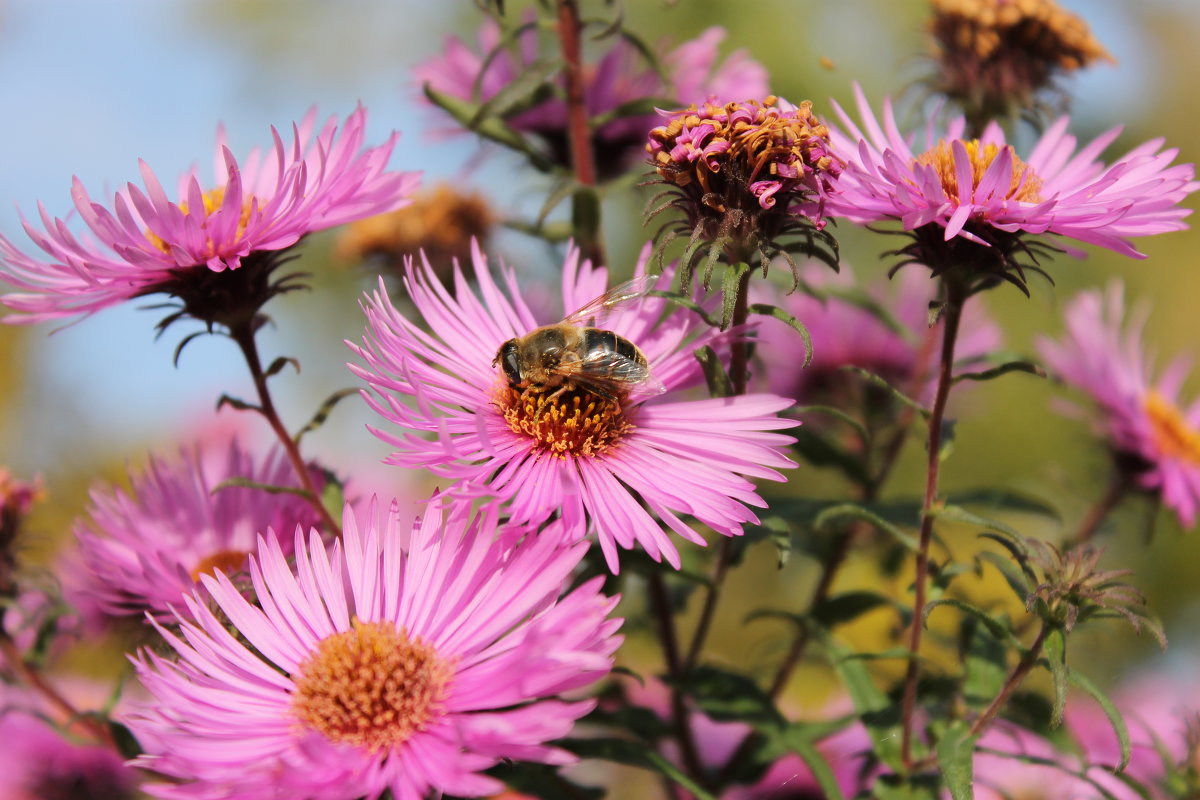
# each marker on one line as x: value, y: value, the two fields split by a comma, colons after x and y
x: 568, y: 422
x: 1024, y: 185
x: 212, y: 201
x: 227, y: 561
x: 371, y: 686
x: 1039, y: 29
x: 1172, y: 434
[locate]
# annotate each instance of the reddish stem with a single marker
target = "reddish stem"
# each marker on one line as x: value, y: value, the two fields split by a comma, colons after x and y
x: 951, y: 315
x: 1102, y: 508
x: 34, y: 680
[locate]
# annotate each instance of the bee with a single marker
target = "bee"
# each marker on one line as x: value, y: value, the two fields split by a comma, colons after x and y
x: 572, y: 354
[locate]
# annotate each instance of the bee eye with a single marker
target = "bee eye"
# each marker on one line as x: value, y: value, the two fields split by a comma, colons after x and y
x: 512, y: 368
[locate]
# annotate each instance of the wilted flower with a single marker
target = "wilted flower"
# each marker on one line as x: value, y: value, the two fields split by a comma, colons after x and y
x: 994, y: 56
x: 845, y: 331
x: 957, y: 194
x: 621, y: 77
x: 464, y: 643
x: 612, y: 462
x: 212, y: 250
x: 745, y: 174
x: 1154, y: 436
x: 141, y: 552
x: 16, y: 499
x: 440, y: 222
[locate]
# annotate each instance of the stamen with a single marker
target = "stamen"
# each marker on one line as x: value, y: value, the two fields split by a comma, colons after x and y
x: 1024, y: 186
x: 371, y: 686
x: 574, y: 422
x: 212, y: 201
x: 1172, y: 434
x: 227, y: 561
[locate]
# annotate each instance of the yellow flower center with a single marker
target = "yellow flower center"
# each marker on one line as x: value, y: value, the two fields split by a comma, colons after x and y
x: 571, y: 422
x: 1024, y: 185
x: 212, y: 201
x: 371, y: 686
x: 1172, y: 434
x: 227, y: 561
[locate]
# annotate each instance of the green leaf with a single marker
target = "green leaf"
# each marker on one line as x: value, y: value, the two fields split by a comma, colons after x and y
x: 960, y: 514
x: 730, y: 285
x: 278, y: 364
x: 333, y: 496
x: 542, y: 781
x: 240, y: 405
x: 985, y: 662
x: 1003, y: 369
x: 875, y: 380
x: 1056, y: 659
x: 246, y: 483
x: 822, y: 772
x: 530, y: 87
x: 585, y: 215
x: 318, y: 419
x: 719, y: 384
x: 852, y: 511
x: 767, y: 310
x: 923, y: 786
x: 880, y: 716
x: 492, y: 128
x: 1110, y: 710
x: 1004, y: 500
x: 955, y: 756
x: 1012, y: 575
x: 634, y: 754
x: 727, y: 696
x: 560, y: 191
x: 639, y: 107
x: 846, y: 606
x: 998, y: 629
x: 837, y: 414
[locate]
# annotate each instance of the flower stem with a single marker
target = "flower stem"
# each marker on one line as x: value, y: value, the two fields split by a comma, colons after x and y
x: 579, y: 133
x: 1091, y: 523
x: 1019, y: 672
x: 661, y: 605
x: 955, y: 296
x: 244, y: 336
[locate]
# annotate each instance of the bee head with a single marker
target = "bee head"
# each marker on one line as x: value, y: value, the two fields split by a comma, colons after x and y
x: 506, y: 357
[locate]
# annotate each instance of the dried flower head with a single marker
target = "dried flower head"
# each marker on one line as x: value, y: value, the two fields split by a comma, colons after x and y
x: 440, y: 222
x: 995, y: 56
x: 1071, y: 588
x: 745, y: 174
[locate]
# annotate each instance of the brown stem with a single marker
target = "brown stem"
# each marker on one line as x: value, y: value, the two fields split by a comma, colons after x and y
x: 244, y: 336
x: 952, y: 314
x: 1091, y: 523
x: 34, y: 680
x: 661, y: 605
x: 579, y: 132
x: 1019, y: 672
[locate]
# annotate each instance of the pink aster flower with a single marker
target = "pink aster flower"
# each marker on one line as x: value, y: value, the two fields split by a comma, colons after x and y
x: 614, y: 462
x: 1012, y: 762
x: 141, y: 552
x: 622, y: 76
x: 982, y: 191
x: 467, y: 640
x: 1155, y: 437
x: 846, y: 334
x: 146, y: 244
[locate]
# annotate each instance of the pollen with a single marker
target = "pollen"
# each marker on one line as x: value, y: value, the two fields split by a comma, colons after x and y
x: 1034, y: 29
x: 1024, y: 185
x: 212, y: 200
x: 227, y: 561
x: 371, y: 686
x: 1172, y: 434
x: 573, y: 422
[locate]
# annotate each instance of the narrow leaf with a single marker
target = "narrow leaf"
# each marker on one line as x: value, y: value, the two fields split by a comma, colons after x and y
x: 530, y: 87
x: 1003, y: 369
x: 240, y: 405
x: 955, y: 756
x: 821, y: 770
x: 634, y: 754
x: 719, y: 384
x: 278, y: 364
x: 730, y: 285
x: 778, y: 313
x: 727, y: 697
x: 880, y: 716
x: 847, y: 606
x: 1056, y: 658
x: 838, y: 414
x: 1110, y: 710
x: 323, y: 412
x: 995, y: 627
x: 852, y: 511
x: 492, y: 128
x: 246, y: 483
x: 875, y: 380
x: 959, y: 514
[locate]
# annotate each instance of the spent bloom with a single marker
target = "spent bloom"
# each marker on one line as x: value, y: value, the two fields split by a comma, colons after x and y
x: 1152, y: 432
x: 956, y: 191
x: 745, y: 173
x: 845, y: 331
x: 465, y: 643
x: 995, y: 56
x: 141, y: 551
x: 213, y: 249
x: 622, y: 76
x: 614, y: 460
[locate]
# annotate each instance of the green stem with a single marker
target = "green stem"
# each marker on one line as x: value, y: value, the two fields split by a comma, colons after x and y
x: 244, y: 336
x: 955, y: 296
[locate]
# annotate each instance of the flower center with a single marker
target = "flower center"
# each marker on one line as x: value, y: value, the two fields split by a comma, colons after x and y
x: 371, y: 686
x: 566, y: 422
x: 227, y: 561
x: 1033, y: 29
x: 212, y: 201
x: 1172, y: 434
x: 1024, y: 185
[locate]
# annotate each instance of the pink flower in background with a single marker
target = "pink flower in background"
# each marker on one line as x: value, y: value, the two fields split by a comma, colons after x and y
x: 38, y: 762
x: 144, y: 550
x: 467, y: 641
x: 981, y: 189
x: 621, y: 76
x: 1154, y: 435
x: 1016, y: 773
x: 146, y: 243
x: 614, y: 463
x: 844, y: 333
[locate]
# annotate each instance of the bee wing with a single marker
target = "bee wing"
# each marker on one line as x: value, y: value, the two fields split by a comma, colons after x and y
x: 608, y: 367
x: 621, y: 293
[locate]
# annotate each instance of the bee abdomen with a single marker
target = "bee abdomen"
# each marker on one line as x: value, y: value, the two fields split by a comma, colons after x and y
x: 600, y: 339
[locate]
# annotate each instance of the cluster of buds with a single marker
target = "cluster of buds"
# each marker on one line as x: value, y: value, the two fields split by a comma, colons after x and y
x: 996, y: 55
x: 745, y: 173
